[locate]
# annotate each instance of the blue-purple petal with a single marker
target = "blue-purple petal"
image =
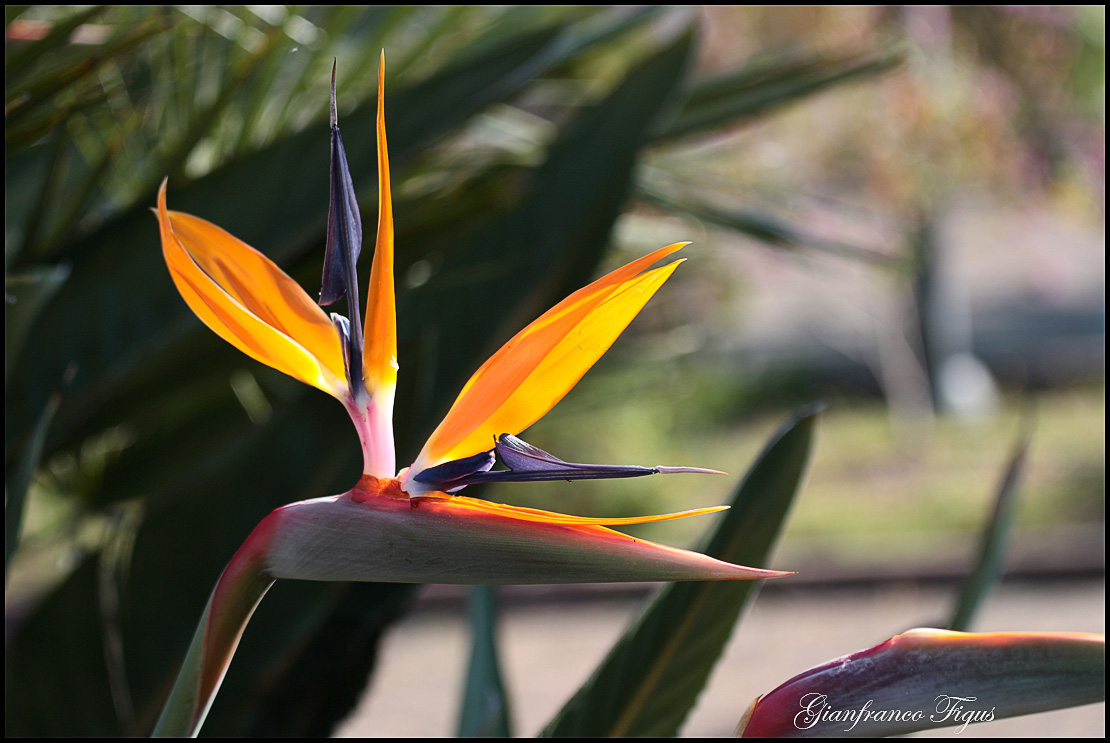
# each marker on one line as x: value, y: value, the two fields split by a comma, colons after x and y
x: 527, y: 463
x: 447, y: 475
x: 344, y: 243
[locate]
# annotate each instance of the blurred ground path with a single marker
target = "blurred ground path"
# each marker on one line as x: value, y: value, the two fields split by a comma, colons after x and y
x: 549, y: 648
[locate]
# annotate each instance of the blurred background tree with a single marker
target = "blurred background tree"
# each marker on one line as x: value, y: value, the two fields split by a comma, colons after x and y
x: 928, y: 238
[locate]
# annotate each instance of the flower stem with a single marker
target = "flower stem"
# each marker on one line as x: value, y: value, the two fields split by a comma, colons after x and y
x: 373, y: 419
x: 241, y: 586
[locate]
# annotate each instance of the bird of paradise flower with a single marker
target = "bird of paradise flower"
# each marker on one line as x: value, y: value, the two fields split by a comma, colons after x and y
x: 409, y: 525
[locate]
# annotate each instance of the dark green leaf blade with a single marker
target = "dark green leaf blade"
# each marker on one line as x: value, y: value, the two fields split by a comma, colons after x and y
x: 485, y: 706
x: 56, y: 681
x: 19, y: 62
x: 765, y: 84
x: 17, y: 480
x: 39, y: 91
x: 25, y: 294
x: 994, y: 539
x: 763, y: 226
x: 651, y: 678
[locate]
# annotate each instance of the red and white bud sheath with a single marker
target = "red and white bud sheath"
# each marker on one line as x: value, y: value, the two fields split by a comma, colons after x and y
x: 929, y: 678
x: 375, y: 532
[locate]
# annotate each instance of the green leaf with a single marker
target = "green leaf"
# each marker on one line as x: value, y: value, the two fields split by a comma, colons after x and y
x: 39, y: 91
x: 485, y: 706
x: 18, y: 63
x: 927, y: 678
x: 995, y: 538
x: 18, y: 479
x: 765, y: 84
x: 201, y: 122
x: 25, y: 294
x: 762, y: 226
x: 651, y: 678
x: 56, y: 681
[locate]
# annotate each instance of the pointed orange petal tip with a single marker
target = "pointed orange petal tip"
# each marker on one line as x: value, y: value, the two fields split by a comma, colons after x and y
x: 380, y: 354
x: 248, y: 301
x: 445, y: 540
x: 541, y: 363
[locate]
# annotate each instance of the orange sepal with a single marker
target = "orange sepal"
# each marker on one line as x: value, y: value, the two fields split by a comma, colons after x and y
x: 538, y: 366
x: 380, y: 330
x: 249, y: 302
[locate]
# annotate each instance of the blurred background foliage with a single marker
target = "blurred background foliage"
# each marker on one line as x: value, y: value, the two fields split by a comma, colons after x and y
x: 922, y: 245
